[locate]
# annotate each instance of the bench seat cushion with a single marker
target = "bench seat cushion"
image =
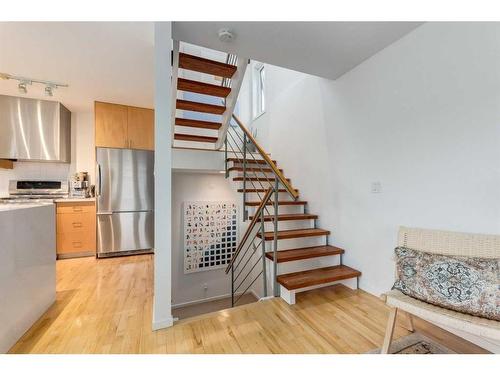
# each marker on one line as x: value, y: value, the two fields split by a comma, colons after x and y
x: 487, y: 328
x: 464, y: 284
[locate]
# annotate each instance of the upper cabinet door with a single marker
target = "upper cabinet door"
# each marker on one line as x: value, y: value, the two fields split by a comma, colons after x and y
x: 111, y: 125
x: 141, y: 128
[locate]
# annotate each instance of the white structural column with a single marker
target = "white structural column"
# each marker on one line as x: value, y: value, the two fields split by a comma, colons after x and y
x: 162, y: 309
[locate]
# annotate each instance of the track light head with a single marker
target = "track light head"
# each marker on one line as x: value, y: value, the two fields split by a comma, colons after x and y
x: 49, y: 90
x: 22, y: 88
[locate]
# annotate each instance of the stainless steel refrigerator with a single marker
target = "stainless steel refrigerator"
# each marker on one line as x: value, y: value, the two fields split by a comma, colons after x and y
x: 125, y: 201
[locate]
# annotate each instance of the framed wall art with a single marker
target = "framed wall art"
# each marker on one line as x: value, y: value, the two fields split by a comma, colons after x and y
x: 210, y: 234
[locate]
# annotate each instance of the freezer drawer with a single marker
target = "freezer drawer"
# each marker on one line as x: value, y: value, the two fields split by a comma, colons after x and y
x: 124, y: 231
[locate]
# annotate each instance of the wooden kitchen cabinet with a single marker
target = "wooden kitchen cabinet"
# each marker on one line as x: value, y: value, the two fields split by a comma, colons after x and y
x: 111, y: 125
x: 141, y: 128
x: 75, y: 229
x: 120, y: 126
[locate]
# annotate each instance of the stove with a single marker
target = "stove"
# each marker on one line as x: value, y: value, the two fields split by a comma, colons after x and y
x: 24, y: 191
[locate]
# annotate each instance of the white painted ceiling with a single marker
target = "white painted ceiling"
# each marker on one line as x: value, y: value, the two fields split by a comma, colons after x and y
x: 114, y: 61
x: 325, y: 49
x: 108, y: 61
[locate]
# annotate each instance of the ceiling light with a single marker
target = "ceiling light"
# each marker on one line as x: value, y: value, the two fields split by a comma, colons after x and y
x: 22, y: 88
x: 225, y: 35
x: 24, y: 82
x: 48, y: 90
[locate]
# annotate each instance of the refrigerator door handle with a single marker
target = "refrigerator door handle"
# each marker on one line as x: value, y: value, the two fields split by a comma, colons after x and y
x: 99, y: 182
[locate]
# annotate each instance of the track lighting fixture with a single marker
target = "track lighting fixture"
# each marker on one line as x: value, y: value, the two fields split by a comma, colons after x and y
x: 48, y: 90
x: 24, y: 82
x: 22, y: 88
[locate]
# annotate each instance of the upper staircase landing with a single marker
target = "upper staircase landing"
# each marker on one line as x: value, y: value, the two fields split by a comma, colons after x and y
x: 204, y: 94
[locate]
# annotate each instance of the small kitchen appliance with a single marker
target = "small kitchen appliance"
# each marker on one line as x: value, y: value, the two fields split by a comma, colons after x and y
x: 80, y: 185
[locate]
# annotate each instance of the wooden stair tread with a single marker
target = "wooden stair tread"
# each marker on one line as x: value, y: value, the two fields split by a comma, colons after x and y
x: 249, y: 161
x: 303, y: 279
x: 288, y: 217
x: 269, y: 179
x: 252, y: 169
x: 200, y: 64
x: 262, y: 190
x: 295, y: 233
x: 197, y: 123
x: 188, y: 105
x: 305, y: 253
x: 281, y: 203
x: 202, y: 88
x: 194, y: 138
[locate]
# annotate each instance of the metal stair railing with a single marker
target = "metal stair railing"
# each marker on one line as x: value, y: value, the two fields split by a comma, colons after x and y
x: 265, y: 165
x: 243, y: 263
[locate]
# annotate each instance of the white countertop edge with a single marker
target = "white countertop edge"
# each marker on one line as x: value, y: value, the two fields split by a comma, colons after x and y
x: 74, y: 199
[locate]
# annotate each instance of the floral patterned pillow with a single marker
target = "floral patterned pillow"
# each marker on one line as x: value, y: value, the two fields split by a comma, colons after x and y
x: 464, y: 284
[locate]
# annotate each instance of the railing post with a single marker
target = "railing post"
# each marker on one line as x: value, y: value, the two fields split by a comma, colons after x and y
x: 275, y: 247
x: 263, y: 232
x: 245, y: 212
x: 225, y: 156
x: 232, y: 285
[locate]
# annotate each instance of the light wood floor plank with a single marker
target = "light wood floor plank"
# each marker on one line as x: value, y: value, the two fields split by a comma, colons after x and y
x: 105, y: 306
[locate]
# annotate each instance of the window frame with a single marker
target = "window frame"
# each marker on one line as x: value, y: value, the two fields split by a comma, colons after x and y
x: 258, y: 91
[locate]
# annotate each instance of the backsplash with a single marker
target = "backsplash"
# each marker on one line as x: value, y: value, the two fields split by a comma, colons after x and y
x: 35, y: 171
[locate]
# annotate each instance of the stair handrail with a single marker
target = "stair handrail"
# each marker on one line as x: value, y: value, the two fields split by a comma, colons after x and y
x: 255, y: 219
x: 293, y: 193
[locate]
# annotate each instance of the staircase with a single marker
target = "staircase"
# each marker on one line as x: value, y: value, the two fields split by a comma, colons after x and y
x: 295, y: 255
x: 202, y: 107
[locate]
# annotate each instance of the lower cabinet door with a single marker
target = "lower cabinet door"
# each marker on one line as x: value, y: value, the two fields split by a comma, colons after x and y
x: 125, y: 231
x: 76, y: 242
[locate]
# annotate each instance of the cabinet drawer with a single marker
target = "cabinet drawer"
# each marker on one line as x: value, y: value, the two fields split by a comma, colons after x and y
x: 75, y: 242
x: 75, y: 222
x: 75, y: 207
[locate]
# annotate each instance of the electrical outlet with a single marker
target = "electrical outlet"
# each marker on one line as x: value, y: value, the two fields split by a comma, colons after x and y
x: 376, y: 187
x: 205, y: 287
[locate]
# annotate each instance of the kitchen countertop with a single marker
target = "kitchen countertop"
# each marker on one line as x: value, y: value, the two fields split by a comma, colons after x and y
x: 21, y: 206
x: 74, y: 199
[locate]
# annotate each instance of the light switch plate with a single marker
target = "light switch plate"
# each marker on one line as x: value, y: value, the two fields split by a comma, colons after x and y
x: 376, y: 187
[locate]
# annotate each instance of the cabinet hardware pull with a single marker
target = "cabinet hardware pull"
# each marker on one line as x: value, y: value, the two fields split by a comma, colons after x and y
x: 77, y: 243
x: 77, y: 224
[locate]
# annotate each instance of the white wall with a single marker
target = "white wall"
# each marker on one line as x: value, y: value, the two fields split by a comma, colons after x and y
x: 82, y: 157
x: 197, y: 187
x: 420, y: 117
x: 83, y: 144
x: 162, y: 304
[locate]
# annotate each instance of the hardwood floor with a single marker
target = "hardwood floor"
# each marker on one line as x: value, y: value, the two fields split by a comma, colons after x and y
x: 104, y: 306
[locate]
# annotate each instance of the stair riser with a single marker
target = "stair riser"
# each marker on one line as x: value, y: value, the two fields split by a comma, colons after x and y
x: 289, y: 296
x: 294, y: 243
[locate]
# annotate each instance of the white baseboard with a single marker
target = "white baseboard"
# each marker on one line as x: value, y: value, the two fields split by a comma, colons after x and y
x: 210, y: 299
x: 163, y: 324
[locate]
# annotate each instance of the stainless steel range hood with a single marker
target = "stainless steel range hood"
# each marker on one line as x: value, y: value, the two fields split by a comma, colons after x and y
x: 32, y: 129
